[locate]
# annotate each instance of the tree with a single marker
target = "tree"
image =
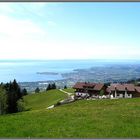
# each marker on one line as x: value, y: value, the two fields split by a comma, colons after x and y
x: 24, y: 92
x: 53, y: 86
x: 37, y: 90
x: 48, y: 87
x: 16, y: 89
x: 14, y: 93
x: 1, y: 84
x: 3, y: 101
x: 101, y: 92
x: 65, y: 87
x: 107, y: 84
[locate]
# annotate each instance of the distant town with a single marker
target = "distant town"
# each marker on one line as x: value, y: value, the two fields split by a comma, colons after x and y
x: 107, y: 74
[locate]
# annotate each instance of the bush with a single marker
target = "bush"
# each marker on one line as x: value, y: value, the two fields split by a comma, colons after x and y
x: 21, y: 105
x: 37, y: 90
x: 101, y: 92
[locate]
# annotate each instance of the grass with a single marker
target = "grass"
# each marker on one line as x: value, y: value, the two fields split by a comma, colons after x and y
x: 44, y: 99
x: 81, y: 119
x: 71, y: 90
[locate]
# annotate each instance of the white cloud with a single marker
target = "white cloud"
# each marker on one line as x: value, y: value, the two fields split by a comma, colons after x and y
x: 51, y: 23
x: 25, y: 39
x: 19, y: 38
x: 22, y: 7
x: 18, y: 28
x: 5, y: 8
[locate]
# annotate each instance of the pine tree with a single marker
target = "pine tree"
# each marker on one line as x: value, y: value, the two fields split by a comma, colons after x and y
x: 49, y: 87
x: 53, y: 86
x: 65, y: 87
x: 13, y: 95
x: 37, y: 90
x: 3, y: 101
x: 24, y: 92
x: 16, y: 89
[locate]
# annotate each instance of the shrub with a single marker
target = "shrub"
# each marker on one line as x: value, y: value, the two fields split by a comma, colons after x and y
x: 21, y: 105
x: 101, y: 92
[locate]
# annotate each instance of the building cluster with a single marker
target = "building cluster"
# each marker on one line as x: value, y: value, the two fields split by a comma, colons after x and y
x: 100, y: 90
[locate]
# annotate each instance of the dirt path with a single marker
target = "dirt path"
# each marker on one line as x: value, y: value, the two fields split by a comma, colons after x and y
x: 71, y: 98
x: 65, y: 92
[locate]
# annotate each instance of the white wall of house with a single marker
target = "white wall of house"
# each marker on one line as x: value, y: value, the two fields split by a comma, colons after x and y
x: 111, y: 96
x: 120, y: 96
x: 100, y: 97
x: 115, y: 94
x: 128, y: 95
x: 95, y: 96
x: 107, y: 96
x: 104, y: 97
x: 125, y: 95
x: 81, y: 94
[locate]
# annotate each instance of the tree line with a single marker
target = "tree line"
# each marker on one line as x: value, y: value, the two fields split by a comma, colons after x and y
x: 49, y: 87
x: 11, y: 97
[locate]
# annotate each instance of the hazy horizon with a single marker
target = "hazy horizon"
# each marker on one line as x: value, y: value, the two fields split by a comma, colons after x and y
x: 69, y: 59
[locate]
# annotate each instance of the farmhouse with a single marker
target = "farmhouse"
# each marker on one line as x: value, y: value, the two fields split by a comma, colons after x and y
x: 95, y: 90
x: 123, y: 91
x: 84, y: 89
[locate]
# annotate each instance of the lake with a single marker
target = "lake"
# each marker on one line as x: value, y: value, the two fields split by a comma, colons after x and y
x: 26, y: 70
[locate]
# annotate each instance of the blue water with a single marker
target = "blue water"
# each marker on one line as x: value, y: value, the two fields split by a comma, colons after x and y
x: 26, y: 71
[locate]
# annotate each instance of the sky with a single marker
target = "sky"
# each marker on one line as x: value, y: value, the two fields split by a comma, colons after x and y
x: 71, y: 30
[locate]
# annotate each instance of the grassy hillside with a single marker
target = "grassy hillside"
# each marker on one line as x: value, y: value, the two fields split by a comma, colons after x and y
x: 71, y: 90
x: 118, y: 118
x: 44, y: 99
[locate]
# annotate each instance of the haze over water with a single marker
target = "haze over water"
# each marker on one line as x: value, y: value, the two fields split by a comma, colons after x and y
x: 26, y: 71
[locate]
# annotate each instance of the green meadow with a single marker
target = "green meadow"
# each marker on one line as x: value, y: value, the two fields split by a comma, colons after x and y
x: 44, y: 99
x: 117, y: 118
x: 71, y: 90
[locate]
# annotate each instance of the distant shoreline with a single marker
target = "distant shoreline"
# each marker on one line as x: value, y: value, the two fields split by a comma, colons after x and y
x: 48, y: 73
x: 67, y: 72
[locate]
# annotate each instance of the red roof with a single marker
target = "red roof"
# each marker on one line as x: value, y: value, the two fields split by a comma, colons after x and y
x: 79, y: 85
x: 137, y: 88
x: 111, y: 88
x: 120, y: 87
x: 130, y: 87
x: 89, y: 85
x: 98, y: 86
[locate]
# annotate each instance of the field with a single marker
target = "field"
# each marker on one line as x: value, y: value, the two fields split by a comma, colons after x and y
x: 71, y: 90
x: 44, y: 99
x: 118, y: 118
